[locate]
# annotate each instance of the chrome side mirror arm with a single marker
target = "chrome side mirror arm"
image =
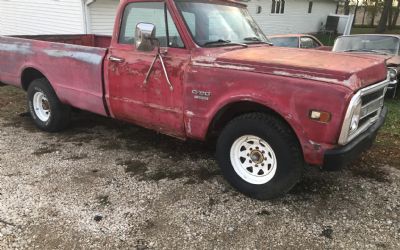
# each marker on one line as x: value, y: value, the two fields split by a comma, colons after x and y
x: 158, y: 56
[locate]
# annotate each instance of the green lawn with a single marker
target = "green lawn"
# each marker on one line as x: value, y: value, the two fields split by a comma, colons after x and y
x: 326, y: 39
x: 392, y: 125
x: 363, y: 30
x: 386, y: 149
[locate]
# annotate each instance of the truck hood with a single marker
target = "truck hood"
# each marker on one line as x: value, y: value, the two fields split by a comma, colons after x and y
x: 352, y: 71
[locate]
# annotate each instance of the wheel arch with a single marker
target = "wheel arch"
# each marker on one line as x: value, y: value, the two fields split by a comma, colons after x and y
x: 28, y: 75
x: 232, y: 110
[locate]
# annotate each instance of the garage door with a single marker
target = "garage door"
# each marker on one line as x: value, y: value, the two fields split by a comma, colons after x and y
x: 101, y: 16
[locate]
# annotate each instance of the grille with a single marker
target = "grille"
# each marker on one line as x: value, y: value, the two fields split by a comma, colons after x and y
x: 372, y: 101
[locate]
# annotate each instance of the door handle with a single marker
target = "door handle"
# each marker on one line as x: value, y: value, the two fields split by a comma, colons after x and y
x: 116, y: 59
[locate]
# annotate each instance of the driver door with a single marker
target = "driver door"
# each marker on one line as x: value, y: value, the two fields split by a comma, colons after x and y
x: 152, y: 104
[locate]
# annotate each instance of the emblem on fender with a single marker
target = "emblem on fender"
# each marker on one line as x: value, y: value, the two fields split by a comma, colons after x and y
x: 201, y: 95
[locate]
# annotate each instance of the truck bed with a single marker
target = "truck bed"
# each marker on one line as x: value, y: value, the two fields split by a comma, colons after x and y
x: 73, y: 64
x: 84, y: 40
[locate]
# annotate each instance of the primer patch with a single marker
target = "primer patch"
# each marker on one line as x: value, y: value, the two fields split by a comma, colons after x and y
x: 77, y: 55
x: 22, y: 48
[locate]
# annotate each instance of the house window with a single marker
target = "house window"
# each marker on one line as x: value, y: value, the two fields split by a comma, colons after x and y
x: 310, y: 4
x: 278, y: 7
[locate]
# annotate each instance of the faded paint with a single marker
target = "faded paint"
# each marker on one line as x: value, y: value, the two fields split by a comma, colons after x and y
x: 304, y: 76
x: 20, y: 48
x: 77, y: 55
x: 328, y: 65
x: 289, y: 82
x: 189, y: 113
x: 222, y: 66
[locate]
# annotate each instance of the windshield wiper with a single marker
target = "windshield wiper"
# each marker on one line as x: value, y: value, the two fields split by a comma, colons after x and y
x: 257, y: 40
x: 365, y: 50
x: 224, y: 42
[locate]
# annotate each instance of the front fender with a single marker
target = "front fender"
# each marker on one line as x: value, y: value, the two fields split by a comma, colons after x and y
x: 290, y: 98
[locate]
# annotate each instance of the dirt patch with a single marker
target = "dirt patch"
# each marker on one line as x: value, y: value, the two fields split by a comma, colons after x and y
x: 110, y: 145
x: 76, y: 157
x: 364, y: 170
x: 142, y: 171
x: 21, y: 120
x: 327, y: 232
x: 194, y: 175
x: 314, y: 185
x: 103, y: 200
x: 386, y: 151
x: 46, y: 150
x: 133, y: 167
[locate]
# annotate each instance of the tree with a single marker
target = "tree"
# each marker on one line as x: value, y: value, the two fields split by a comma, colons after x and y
x: 396, y: 14
x: 355, y: 12
x: 365, y: 5
x: 347, y: 7
x: 374, y: 11
x: 390, y: 16
x: 384, y: 17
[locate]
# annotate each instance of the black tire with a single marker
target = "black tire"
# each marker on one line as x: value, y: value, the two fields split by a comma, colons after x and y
x: 60, y: 114
x: 281, y: 139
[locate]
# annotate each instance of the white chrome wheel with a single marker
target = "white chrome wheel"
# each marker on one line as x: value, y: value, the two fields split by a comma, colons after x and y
x: 41, y: 106
x: 253, y: 159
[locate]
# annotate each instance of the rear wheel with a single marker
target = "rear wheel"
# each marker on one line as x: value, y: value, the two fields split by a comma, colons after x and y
x: 46, y: 110
x: 260, y: 156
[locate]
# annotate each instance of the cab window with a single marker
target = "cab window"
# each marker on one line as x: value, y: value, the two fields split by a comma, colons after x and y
x: 150, y: 12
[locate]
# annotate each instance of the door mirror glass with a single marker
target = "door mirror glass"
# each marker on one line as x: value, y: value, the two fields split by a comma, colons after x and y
x: 145, y: 36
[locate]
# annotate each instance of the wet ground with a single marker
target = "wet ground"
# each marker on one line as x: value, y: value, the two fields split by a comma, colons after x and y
x: 104, y: 184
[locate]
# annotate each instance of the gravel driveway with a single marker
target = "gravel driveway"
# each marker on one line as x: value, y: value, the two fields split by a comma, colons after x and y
x: 104, y: 184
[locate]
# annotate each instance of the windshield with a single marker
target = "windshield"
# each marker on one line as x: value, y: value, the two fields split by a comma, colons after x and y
x: 292, y: 42
x: 218, y: 23
x: 379, y: 44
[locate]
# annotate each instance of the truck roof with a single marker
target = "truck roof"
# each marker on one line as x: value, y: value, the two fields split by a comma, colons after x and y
x: 239, y: 2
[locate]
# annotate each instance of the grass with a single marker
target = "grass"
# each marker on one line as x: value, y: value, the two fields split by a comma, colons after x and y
x: 386, y: 150
x: 392, y: 124
x: 326, y: 39
x: 371, y: 30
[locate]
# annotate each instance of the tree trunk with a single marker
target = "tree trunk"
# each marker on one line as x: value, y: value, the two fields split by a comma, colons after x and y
x: 390, y: 15
x: 347, y: 7
x: 396, y: 14
x: 337, y: 8
x: 374, y: 13
x: 365, y: 11
x: 384, y: 17
x: 355, y: 12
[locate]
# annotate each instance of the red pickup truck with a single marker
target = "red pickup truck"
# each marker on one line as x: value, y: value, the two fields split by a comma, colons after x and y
x: 203, y: 70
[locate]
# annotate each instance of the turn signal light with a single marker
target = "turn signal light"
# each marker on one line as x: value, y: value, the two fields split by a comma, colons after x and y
x: 320, y: 116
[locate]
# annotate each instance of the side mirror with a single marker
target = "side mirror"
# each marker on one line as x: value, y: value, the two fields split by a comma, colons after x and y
x: 145, y: 36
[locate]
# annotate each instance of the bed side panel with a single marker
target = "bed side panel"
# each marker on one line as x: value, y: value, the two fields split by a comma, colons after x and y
x: 74, y: 71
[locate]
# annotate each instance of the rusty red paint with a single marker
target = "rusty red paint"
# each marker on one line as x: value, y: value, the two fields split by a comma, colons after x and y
x: 290, y: 82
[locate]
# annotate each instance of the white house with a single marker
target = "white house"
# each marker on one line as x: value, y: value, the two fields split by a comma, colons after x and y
x: 32, y: 17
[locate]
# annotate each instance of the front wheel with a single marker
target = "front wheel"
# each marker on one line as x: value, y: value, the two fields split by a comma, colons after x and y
x: 46, y: 110
x: 260, y: 156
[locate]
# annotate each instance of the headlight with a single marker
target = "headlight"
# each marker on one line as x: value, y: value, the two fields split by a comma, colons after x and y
x: 392, y: 74
x: 352, y: 119
x: 355, y: 119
